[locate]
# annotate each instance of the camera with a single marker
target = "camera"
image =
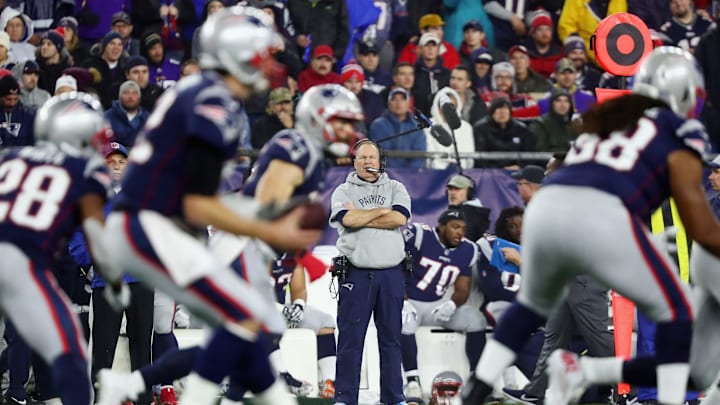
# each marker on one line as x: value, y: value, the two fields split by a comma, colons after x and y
x: 339, y: 268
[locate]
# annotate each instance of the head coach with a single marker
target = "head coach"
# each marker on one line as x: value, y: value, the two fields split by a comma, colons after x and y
x: 368, y: 210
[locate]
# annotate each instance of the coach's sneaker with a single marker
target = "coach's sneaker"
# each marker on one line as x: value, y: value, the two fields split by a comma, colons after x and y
x: 413, y: 393
x: 297, y: 387
x: 567, y: 382
x: 166, y: 396
x: 327, y: 389
x: 521, y: 397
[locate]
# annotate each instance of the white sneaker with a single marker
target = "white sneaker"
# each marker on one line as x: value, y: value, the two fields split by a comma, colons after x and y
x: 712, y: 396
x: 567, y: 382
x: 299, y: 388
x: 113, y: 387
x: 413, y: 393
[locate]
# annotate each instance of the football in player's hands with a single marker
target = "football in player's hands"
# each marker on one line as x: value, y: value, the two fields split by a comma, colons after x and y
x: 314, y: 216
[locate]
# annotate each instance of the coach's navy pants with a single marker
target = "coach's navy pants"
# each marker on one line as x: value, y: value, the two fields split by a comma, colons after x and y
x: 366, y: 292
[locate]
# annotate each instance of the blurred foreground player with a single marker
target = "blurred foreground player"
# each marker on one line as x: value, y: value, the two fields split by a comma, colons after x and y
x: 170, y: 196
x: 634, y: 153
x: 46, y: 192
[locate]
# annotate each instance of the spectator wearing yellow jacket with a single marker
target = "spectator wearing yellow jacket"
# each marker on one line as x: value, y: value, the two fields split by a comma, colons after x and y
x: 583, y: 16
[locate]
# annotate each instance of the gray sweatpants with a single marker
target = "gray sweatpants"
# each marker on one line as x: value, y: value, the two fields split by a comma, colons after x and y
x: 584, y: 310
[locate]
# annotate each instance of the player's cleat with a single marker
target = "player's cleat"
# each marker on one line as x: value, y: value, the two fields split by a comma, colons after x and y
x: 413, y: 393
x: 11, y: 400
x: 114, y: 388
x: 297, y: 387
x: 475, y: 391
x: 567, y: 382
x: 327, y: 389
x: 521, y: 397
x: 166, y: 396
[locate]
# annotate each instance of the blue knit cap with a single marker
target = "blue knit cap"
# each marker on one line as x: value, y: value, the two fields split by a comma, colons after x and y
x: 109, y: 37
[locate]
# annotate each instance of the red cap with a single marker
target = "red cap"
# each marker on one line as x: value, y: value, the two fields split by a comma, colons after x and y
x: 518, y: 48
x: 352, y: 71
x: 323, y: 50
x: 540, y: 19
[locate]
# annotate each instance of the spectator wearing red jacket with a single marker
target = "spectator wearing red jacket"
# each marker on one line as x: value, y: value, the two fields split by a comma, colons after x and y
x: 432, y: 23
x: 320, y: 69
x: 544, y: 52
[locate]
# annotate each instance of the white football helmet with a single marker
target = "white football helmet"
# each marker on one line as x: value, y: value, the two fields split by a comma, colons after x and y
x: 239, y: 40
x: 671, y: 75
x: 73, y: 118
x: 318, y: 106
x: 446, y: 388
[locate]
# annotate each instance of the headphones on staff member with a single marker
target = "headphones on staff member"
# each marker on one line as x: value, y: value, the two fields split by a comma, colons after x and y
x: 470, y: 190
x: 366, y: 141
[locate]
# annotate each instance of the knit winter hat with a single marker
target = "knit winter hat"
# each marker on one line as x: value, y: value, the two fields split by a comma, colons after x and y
x: 82, y: 76
x: 574, y: 42
x: 69, y: 22
x: 66, y: 81
x: 503, y: 67
x: 56, y: 38
x: 9, y: 85
x: 109, y: 37
x: 135, y: 61
x: 539, y: 19
x: 352, y: 71
x: 128, y: 85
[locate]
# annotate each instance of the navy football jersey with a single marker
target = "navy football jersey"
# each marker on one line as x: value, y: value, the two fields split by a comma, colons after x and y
x: 39, y: 191
x: 632, y: 165
x: 201, y: 107
x: 282, y: 270
x: 435, y: 267
x: 687, y: 36
x: 290, y: 146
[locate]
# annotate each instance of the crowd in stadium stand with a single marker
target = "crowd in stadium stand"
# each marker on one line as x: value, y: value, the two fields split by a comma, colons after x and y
x: 534, y: 54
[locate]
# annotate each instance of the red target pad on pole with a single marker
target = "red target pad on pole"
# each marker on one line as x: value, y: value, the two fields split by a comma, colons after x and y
x: 621, y: 42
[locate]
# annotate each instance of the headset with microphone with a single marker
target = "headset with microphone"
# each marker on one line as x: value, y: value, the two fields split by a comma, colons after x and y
x: 366, y: 141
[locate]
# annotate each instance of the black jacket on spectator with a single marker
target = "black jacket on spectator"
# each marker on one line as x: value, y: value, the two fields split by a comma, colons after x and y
x: 106, y: 80
x: 372, y: 104
x: 707, y: 54
x: 263, y: 129
x: 653, y: 12
x: 325, y: 20
x: 428, y: 80
x: 490, y: 137
x: 49, y: 74
x: 149, y: 96
x: 477, y: 110
x: 289, y: 58
x: 145, y: 16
